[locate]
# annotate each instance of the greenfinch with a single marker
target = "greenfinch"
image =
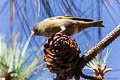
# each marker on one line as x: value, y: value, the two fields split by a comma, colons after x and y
x: 67, y: 24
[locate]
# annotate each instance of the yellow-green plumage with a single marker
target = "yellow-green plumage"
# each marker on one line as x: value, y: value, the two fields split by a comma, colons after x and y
x: 72, y: 25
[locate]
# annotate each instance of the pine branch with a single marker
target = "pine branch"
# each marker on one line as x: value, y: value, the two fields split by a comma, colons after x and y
x: 90, y: 54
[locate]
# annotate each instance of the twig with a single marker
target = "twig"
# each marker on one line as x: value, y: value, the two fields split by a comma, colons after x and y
x: 90, y: 54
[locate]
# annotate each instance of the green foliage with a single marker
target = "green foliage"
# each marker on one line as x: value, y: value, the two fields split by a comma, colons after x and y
x: 99, y: 65
x: 13, y: 59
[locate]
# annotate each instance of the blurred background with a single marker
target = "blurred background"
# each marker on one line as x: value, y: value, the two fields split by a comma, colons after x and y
x: 17, y: 17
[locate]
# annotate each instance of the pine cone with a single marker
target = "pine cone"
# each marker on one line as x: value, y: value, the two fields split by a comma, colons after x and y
x: 61, y: 53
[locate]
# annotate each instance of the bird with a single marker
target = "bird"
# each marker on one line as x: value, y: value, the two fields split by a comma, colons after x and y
x: 68, y: 24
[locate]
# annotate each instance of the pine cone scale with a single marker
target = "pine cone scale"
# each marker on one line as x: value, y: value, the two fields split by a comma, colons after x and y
x: 61, y: 53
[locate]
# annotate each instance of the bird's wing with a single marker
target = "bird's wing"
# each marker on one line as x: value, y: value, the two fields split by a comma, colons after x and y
x: 73, y: 18
x: 70, y: 17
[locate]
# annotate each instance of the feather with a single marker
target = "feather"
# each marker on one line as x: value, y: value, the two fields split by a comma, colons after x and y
x: 70, y: 17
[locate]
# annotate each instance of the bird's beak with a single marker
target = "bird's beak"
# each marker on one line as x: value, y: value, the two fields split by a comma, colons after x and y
x: 32, y: 34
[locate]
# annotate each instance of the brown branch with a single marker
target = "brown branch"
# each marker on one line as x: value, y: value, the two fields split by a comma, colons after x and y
x: 90, y: 54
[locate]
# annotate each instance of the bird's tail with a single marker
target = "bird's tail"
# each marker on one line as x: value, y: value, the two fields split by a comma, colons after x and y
x: 98, y: 24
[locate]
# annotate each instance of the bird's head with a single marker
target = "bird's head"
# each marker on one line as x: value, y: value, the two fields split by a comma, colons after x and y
x: 35, y: 31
